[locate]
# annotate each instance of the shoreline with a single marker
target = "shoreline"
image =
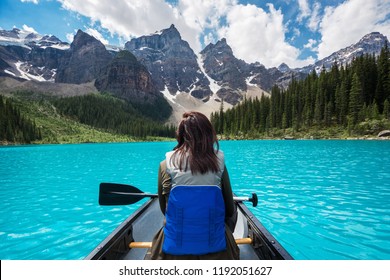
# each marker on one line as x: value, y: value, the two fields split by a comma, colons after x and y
x: 11, y: 144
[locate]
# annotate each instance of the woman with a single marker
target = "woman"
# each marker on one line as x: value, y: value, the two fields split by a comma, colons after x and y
x: 195, y: 196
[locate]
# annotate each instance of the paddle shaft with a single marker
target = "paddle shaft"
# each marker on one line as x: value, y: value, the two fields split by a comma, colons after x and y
x: 133, y: 245
x: 235, y: 198
x: 121, y: 194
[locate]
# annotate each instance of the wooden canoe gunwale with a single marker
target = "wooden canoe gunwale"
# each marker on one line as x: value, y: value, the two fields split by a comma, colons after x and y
x: 117, y: 243
x: 265, y: 245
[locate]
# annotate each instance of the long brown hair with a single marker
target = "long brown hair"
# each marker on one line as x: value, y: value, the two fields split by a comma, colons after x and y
x: 196, y: 139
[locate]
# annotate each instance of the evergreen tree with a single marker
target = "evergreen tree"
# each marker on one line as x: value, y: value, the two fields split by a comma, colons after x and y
x: 318, y: 108
x: 386, y: 109
x: 382, y: 91
x: 221, y: 121
x: 344, y: 101
x: 14, y: 127
x: 344, y: 96
x: 113, y: 115
x: 355, y: 102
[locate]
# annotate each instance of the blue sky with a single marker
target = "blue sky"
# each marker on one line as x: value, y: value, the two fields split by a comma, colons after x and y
x: 297, y: 32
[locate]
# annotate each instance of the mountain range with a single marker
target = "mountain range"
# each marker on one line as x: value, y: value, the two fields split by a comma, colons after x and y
x: 151, y: 67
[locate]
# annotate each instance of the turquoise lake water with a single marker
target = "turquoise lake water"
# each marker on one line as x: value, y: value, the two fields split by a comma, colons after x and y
x: 320, y: 199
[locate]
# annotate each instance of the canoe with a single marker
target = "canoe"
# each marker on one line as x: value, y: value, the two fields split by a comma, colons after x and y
x: 144, y: 223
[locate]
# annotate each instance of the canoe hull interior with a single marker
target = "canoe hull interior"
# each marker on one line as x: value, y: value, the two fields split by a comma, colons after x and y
x: 143, y: 224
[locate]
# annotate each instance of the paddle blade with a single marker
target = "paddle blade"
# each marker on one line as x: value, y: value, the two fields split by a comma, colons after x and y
x: 119, y: 194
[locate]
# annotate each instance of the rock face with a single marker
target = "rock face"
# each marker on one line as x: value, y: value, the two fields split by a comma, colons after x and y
x: 172, y: 66
x: 371, y: 43
x: 223, y: 67
x: 233, y: 75
x: 172, y: 63
x: 384, y: 133
x: 84, y: 61
x: 126, y: 78
x: 35, y: 63
x: 30, y: 56
x: 283, y: 68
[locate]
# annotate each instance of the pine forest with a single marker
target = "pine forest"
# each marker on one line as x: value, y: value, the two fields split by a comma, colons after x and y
x: 14, y: 127
x: 346, y: 101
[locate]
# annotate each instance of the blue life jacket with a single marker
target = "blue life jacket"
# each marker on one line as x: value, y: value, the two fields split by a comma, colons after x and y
x: 195, y: 221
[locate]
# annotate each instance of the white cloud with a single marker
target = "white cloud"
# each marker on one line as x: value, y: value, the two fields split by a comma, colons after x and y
x: 314, y: 19
x: 201, y: 14
x: 209, y: 38
x: 256, y: 35
x: 311, y: 45
x: 124, y: 18
x: 129, y: 19
x: 28, y: 29
x: 304, y: 10
x: 309, y: 13
x: 32, y: 1
x: 253, y: 33
x: 297, y: 32
x: 70, y: 37
x: 97, y: 35
x: 347, y: 23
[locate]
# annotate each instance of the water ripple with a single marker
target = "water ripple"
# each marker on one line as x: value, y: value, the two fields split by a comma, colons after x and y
x: 328, y: 195
x: 320, y: 199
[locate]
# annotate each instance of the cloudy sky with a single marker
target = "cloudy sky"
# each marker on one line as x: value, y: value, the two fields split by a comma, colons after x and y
x: 297, y: 32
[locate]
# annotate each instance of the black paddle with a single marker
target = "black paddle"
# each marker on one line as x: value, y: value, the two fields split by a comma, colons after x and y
x: 120, y: 194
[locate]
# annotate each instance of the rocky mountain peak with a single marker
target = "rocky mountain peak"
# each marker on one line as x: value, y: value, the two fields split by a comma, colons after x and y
x: 373, y: 36
x: 85, y: 60
x: 32, y: 36
x: 51, y: 38
x: 169, y: 65
x: 164, y: 39
x: 18, y: 34
x: 371, y: 43
x: 222, y: 44
x: 172, y: 63
x: 126, y: 78
x: 81, y: 39
x: 171, y: 33
x: 15, y: 30
x: 14, y: 33
x: 223, y: 67
x: 219, y: 47
x: 283, y: 68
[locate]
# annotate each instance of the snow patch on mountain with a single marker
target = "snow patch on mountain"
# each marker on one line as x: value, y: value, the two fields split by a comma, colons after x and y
x: 26, y: 39
x: 177, y: 72
x: 24, y: 72
x: 168, y: 96
x: 249, y: 80
x: 214, y: 87
x: 57, y: 46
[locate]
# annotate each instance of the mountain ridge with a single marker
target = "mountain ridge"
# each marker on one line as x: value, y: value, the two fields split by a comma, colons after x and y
x: 177, y: 72
x: 165, y: 55
x: 84, y: 61
x: 370, y: 43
